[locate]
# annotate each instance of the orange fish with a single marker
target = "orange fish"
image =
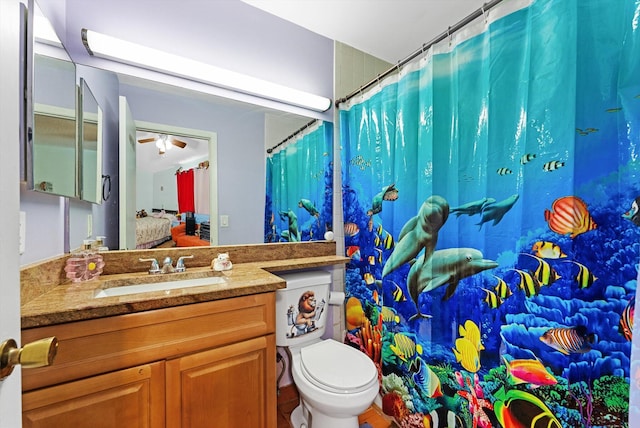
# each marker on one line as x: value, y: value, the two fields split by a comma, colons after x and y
x: 569, y: 215
x: 354, y: 313
x: 351, y: 229
x: 529, y: 371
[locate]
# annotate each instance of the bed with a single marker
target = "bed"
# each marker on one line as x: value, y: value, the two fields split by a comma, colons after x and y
x: 153, y: 229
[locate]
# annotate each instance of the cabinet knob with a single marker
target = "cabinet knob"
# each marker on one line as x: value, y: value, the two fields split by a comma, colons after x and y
x: 35, y: 354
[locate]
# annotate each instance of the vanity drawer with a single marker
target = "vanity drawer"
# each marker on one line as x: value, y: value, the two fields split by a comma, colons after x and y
x: 88, y: 348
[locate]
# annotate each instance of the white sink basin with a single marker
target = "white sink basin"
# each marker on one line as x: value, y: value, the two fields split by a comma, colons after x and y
x: 124, y: 290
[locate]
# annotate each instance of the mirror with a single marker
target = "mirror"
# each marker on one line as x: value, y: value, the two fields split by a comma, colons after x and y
x: 244, y: 132
x: 54, y: 151
x: 90, y: 145
x: 51, y: 163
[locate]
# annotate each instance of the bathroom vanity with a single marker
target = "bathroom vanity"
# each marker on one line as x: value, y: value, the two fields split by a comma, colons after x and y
x: 192, y: 357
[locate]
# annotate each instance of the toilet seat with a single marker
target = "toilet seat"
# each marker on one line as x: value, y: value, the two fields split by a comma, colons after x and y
x: 337, y: 368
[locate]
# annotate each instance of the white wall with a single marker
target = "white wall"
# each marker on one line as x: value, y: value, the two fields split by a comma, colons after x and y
x: 144, y: 193
x: 165, y: 192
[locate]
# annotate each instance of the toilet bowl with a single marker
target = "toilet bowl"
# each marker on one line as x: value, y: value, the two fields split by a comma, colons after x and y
x: 336, y: 382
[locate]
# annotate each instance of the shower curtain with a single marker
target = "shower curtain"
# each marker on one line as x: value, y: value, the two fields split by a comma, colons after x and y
x: 490, y: 195
x: 299, y: 187
x: 201, y: 192
x: 185, y: 186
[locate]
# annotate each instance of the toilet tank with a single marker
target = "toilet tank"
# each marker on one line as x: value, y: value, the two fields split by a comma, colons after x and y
x: 302, y: 307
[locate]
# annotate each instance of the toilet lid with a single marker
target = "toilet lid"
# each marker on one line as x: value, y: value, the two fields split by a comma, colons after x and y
x: 337, y: 367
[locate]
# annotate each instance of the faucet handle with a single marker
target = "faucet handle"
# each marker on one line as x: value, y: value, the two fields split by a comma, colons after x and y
x: 154, y: 265
x: 180, y: 267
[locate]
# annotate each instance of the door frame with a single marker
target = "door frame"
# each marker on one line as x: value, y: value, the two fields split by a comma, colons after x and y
x: 201, y: 134
x: 10, y: 120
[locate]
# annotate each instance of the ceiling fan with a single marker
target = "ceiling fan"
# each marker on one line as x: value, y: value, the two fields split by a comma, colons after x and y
x: 164, y: 142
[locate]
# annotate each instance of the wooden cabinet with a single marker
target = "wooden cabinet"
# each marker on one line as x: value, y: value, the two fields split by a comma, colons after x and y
x: 132, y: 397
x: 228, y: 385
x: 200, y: 365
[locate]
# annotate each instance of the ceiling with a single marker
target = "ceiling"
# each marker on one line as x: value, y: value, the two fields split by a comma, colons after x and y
x: 387, y: 29
x: 149, y: 160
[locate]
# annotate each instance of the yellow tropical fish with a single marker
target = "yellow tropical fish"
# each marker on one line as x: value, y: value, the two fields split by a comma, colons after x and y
x: 471, y: 331
x: 389, y: 315
x: 368, y: 278
x: 547, y: 250
x: 467, y: 355
x: 544, y: 273
x: 502, y: 290
x: 528, y: 283
x: 492, y: 299
x: 354, y: 313
x: 585, y: 277
x: 404, y: 347
x: 398, y: 294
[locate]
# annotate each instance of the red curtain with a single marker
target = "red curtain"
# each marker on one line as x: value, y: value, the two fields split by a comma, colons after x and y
x: 185, y: 191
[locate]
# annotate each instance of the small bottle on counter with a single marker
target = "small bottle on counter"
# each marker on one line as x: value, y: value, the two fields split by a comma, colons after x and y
x: 99, y: 244
x: 85, y: 264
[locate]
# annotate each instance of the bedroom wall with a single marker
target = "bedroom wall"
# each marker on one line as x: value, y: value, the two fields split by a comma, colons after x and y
x: 165, y: 194
x: 144, y: 196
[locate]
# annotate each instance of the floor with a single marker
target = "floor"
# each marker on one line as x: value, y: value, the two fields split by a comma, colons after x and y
x: 288, y: 400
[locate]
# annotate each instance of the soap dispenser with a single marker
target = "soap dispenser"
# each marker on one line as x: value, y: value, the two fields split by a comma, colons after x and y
x: 85, y: 264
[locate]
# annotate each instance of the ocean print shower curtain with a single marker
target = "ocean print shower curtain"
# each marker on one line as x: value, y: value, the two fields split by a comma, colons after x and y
x: 490, y: 195
x: 299, y: 187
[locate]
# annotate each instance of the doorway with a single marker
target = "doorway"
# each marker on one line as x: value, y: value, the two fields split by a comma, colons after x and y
x: 192, y: 146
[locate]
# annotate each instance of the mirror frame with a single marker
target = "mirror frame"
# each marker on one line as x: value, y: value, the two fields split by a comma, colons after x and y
x: 85, y: 93
x: 26, y: 100
x: 31, y: 109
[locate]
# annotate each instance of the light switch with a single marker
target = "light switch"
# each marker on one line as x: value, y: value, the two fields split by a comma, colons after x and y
x: 224, y: 221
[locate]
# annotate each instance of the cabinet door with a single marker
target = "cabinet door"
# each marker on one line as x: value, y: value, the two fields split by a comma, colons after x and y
x: 231, y: 386
x: 132, y: 398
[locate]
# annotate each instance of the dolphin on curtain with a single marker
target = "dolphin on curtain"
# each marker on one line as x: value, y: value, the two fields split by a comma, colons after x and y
x: 496, y: 210
x: 292, y: 235
x: 447, y: 266
x: 419, y: 232
x: 472, y: 208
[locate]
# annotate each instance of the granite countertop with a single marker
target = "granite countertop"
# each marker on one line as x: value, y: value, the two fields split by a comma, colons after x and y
x: 68, y: 302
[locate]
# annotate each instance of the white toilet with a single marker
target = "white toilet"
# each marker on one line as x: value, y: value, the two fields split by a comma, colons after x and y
x: 336, y: 382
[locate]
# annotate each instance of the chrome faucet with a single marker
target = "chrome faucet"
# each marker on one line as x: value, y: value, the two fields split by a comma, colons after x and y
x: 180, y: 267
x: 167, y: 266
x: 154, y: 265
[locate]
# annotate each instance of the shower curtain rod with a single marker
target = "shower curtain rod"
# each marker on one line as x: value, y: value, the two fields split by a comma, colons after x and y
x: 291, y: 136
x: 452, y: 29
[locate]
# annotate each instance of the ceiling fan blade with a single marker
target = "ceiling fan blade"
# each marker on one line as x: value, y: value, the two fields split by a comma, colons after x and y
x: 146, y: 140
x: 178, y: 143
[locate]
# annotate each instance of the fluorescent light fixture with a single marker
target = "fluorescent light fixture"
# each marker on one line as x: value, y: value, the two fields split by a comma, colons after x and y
x: 108, y: 47
x: 43, y: 32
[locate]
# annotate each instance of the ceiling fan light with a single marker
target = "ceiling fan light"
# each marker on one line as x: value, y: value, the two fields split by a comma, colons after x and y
x: 108, y: 47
